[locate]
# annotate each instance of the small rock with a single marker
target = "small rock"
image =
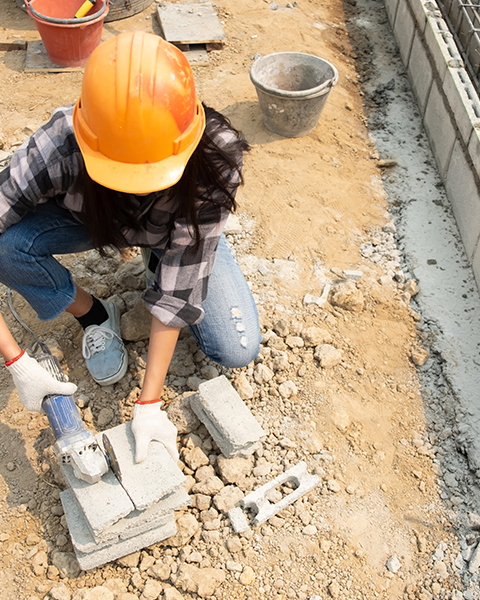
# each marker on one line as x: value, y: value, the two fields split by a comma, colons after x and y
x: 419, y: 356
x: 243, y: 387
x: 203, y: 582
x: 170, y: 593
x: 341, y: 420
x: 60, y: 592
x: 66, y: 563
x: 130, y: 561
x: 181, y: 414
x: 328, y: 356
x: 411, y: 287
x: 160, y: 571
x: 386, y: 163
x: 474, y: 562
x: 232, y: 470
x: 234, y: 566
x: 209, y: 486
x: 334, y: 589
x: 393, y: 564
x: 310, y: 530
x: 315, y: 336
x: 104, y: 417
x: 262, y: 470
x: 99, y: 592
x: 248, y: 576
x: 228, y: 498
x: 262, y: 374
x: 334, y: 486
x: 294, y: 341
x: 287, y: 389
x: 151, y: 590
x: 352, y: 274
x: 234, y: 545
x: 116, y: 585
x: 195, y: 458
x: 346, y: 295
x: 187, y: 527
x: 135, y: 323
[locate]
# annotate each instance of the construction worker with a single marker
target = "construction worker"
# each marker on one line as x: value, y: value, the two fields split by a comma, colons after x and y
x: 138, y: 161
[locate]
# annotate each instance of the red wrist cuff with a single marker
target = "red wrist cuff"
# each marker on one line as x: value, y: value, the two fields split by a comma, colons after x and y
x: 10, y: 362
x: 142, y: 402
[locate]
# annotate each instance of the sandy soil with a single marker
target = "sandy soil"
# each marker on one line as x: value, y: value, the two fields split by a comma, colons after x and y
x: 307, y: 206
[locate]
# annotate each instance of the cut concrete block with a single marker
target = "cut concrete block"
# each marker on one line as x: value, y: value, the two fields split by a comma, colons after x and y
x: 440, y: 129
x: 420, y: 72
x: 226, y: 416
x: 100, y: 556
x: 263, y: 509
x: 464, y: 196
x: 132, y: 526
x: 103, y: 503
x: 147, y: 482
x: 404, y: 30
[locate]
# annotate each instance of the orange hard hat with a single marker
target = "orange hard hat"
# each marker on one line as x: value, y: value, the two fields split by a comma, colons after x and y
x: 138, y: 119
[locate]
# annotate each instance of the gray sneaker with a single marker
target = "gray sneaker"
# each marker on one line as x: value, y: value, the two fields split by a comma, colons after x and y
x: 103, y: 349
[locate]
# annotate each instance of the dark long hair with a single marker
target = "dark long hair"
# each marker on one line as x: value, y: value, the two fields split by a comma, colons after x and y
x: 207, y: 176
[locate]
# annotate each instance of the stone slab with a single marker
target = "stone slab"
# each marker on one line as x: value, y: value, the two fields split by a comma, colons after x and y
x: 148, y: 482
x: 100, y: 556
x: 103, y: 503
x: 36, y: 60
x: 404, y: 30
x: 226, y: 416
x: 133, y: 525
x: 191, y: 23
x: 440, y: 129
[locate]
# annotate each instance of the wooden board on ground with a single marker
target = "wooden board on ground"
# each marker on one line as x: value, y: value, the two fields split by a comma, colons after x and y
x: 37, y: 60
x: 192, y: 23
x: 7, y: 45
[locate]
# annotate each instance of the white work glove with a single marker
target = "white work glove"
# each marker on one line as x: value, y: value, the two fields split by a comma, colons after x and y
x: 150, y: 423
x: 33, y: 382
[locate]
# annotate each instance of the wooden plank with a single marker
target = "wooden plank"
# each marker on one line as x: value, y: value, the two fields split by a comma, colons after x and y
x: 192, y: 23
x: 7, y: 45
x: 37, y: 60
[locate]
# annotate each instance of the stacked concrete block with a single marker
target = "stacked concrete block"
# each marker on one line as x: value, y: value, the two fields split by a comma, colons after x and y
x: 227, y: 418
x: 113, y: 518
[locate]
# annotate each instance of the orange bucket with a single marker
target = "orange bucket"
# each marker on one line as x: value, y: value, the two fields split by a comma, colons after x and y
x: 68, y: 41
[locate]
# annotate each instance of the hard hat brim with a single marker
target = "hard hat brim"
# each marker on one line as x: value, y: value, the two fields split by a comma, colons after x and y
x: 141, y: 178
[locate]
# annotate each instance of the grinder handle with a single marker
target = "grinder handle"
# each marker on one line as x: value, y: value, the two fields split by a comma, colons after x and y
x: 63, y: 416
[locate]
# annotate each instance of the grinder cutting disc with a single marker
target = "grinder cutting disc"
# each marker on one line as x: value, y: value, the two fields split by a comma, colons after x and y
x: 111, y: 457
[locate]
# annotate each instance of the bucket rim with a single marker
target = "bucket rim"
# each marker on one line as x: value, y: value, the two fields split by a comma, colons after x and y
x: 319, y: 90
x: 57, y: 22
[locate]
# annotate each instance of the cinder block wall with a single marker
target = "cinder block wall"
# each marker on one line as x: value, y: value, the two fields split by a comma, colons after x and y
x: 449, y: 106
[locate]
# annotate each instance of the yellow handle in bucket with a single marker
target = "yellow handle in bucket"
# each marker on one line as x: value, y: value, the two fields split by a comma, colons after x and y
x: 83, y: 10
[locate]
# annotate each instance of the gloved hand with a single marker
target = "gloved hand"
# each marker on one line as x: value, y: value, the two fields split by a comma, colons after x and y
x: 150, y: 423
x: 33, y: 382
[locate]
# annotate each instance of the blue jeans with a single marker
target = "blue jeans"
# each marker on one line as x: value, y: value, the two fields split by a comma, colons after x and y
x: 229, y: 334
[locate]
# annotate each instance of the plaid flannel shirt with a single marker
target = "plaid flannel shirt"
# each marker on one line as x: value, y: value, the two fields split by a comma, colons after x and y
x: 48, y: 166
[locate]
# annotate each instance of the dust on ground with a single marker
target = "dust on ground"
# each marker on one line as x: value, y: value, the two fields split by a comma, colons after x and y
x: 311, y: 208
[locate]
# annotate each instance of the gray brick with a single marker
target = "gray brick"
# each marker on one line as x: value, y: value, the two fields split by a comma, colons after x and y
x: 404, y: 30
x: 440, y: 129
x: 226, y: 416
x: 263, y: 509
x: 420, y: 72
x: 121, y: 548
x: 459, y: 91
x: 391, y: 7
x: 418, y: 9
x: 103, y: 503
x: 440, y: 44
x: 464, y: 196
x: 132, y: 526
x: 147, y: 482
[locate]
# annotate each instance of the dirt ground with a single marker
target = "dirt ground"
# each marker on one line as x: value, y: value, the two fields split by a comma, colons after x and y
x: 307, y: 210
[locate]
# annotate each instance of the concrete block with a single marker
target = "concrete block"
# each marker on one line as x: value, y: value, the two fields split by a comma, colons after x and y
x: 147, y: 482
x: 103, y: 503
x: 391, y: 8
x: 440, y: 129
x: 100, y: 556
x: 420, y: 72
x: 474, y: 149
x: 263, y: 509
x: 419, y: 12
x: 440, y: 43
x: 133, y: 525
x: 463, y: 101
x: 404, y: 30
x: 226, y: 416
x: 463, y: 193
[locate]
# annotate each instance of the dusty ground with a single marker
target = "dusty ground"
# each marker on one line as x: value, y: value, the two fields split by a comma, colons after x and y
x: 311, y: 208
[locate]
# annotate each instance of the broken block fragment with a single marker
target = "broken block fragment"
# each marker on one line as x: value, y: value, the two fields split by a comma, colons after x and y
x: 227, y: 417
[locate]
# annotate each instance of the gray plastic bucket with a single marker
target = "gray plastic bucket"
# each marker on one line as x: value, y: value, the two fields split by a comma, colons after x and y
x: 292, y: 88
